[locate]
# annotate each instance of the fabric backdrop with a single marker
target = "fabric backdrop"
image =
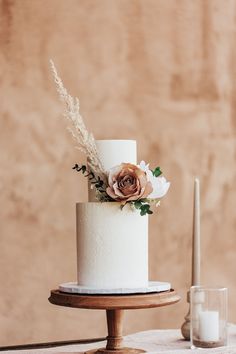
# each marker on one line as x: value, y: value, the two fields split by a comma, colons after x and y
x: 161, y: 72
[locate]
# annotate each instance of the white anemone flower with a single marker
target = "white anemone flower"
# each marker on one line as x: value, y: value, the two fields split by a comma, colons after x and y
x: 159, y: 184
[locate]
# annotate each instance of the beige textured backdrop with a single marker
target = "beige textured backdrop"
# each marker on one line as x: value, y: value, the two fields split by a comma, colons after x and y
x: 158, y: 71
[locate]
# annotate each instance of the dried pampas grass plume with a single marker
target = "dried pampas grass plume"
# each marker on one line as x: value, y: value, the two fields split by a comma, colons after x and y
x: 85, y: 140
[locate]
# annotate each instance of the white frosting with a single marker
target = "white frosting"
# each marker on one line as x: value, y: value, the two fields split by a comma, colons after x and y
x: 114, y: 152
x: 112, y: 246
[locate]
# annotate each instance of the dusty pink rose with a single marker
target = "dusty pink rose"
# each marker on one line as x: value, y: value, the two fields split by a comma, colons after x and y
x: 128, y: 182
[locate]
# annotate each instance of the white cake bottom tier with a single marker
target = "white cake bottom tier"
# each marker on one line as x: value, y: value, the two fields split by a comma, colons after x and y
x: 112, y: 246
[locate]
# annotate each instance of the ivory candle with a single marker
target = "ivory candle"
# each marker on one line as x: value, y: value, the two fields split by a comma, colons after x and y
x: 209, y: 326
x: 196, y: 258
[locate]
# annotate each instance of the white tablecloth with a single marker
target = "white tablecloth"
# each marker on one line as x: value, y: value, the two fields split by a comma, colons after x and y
x: 155, y: 341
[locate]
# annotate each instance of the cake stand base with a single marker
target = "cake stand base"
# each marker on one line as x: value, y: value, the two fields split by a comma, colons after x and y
x: 114, y: 306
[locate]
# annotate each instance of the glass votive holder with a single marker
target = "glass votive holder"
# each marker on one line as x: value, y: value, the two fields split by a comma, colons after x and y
x: 208, y: 313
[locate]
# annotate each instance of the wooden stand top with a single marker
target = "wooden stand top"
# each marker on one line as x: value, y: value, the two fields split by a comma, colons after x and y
x: 114, y: 302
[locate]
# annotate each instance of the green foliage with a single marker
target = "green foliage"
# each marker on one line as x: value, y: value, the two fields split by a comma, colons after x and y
x: 95, y: 180
x: 138, y: 204
x: 157, y: 171
x: 143, y: 206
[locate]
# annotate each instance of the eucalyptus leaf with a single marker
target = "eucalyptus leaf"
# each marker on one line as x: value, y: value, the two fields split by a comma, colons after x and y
x: 95, y: 180
x: 137, y: 204
x: 157, y: 171
x: 83, y: 168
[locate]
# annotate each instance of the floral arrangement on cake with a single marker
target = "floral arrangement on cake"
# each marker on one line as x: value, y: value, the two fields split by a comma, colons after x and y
x: 137, y: 185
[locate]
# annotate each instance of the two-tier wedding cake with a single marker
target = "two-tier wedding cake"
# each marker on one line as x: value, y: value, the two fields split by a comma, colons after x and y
x: 112, y: 227
x: 112, y: 244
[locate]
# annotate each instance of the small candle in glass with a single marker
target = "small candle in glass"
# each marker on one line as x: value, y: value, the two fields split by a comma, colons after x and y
x: 208, y: 314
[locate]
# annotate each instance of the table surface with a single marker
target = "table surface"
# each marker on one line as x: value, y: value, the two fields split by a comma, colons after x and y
x: 155, y: 341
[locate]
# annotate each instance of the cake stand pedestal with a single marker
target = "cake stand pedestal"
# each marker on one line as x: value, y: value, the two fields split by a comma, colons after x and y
x: 114, y: 306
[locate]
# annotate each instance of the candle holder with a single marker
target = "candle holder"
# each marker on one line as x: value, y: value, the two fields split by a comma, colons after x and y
x: 208, y: 317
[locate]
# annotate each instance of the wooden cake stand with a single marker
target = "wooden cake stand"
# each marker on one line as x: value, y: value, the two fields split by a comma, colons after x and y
x: 114, y: 306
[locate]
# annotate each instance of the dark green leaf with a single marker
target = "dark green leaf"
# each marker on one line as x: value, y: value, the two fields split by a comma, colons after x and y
x: 157, y: 172
x: 145, y: 209
x: 137, y: 204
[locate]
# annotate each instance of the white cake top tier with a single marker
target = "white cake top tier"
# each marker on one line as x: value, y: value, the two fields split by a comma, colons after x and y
x: 114, y: 152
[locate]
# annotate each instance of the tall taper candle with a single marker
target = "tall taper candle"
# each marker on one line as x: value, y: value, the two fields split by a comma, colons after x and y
x: 196, y: 256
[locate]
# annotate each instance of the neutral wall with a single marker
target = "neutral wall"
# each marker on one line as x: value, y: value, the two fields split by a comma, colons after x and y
x: 158, y: 71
